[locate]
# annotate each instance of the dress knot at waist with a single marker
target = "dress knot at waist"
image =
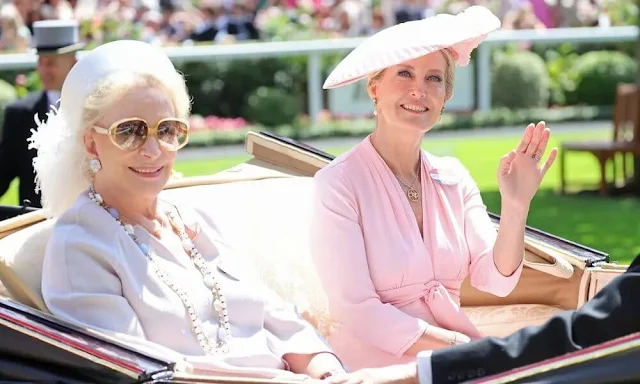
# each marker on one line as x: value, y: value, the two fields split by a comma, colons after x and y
x: 431, y: 291
x: 434, y: 290
x: 446, y: 309
x: 443, y: 303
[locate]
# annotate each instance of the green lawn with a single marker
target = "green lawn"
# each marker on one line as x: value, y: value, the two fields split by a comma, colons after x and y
x: 607, y: 224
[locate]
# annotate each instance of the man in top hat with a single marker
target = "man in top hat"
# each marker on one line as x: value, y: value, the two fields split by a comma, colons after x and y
x: 56, y: 44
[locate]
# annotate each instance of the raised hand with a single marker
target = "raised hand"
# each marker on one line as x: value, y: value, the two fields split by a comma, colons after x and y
x: 520, y: 172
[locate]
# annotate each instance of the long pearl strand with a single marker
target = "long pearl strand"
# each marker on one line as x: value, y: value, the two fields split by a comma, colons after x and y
x: 219, y: 303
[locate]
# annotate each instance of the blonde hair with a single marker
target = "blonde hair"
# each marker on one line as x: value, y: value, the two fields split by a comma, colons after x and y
x: 114, y: 87
x: 449, y: 75
x: 63, y: 168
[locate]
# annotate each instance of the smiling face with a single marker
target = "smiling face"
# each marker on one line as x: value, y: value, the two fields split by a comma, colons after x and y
x: 140, y: 172
x: 412, y: 95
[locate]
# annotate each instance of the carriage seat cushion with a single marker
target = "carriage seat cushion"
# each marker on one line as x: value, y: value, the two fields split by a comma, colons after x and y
x: 503, y: 320
x: 266, y: 220
x: 21, y: 257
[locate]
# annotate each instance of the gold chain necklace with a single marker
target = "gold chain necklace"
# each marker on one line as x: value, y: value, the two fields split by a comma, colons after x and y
x: 412, y: 194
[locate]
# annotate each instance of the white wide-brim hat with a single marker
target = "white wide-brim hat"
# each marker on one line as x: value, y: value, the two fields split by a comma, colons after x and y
x: 407, y: 41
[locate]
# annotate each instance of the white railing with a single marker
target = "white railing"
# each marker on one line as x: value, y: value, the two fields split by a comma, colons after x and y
x: 314, y: 49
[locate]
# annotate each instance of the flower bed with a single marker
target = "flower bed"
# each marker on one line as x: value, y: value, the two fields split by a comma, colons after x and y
x: 217, y: 124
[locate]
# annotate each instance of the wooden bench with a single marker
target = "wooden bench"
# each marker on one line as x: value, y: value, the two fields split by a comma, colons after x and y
x: 625, y: 141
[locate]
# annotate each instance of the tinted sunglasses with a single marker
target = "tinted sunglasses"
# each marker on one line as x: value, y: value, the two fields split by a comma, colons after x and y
x: 130, y: 134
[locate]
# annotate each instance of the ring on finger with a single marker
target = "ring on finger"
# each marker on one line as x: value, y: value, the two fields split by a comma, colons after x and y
x: 536, y: 157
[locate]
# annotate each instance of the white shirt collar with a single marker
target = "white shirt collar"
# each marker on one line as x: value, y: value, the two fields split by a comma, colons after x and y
x: 53, y: 96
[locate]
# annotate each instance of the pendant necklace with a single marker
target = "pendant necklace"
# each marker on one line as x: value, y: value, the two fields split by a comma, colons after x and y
x: 412, y: 194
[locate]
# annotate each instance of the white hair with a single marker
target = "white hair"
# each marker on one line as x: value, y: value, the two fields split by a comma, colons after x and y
x: 61, y: 166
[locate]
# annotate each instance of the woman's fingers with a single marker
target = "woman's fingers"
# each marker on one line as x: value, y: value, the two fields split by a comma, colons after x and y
x: 536, y: 137
x: 544, y: 141
x: 462, y: 338
x: 505, y: 162
x: 526, y: 138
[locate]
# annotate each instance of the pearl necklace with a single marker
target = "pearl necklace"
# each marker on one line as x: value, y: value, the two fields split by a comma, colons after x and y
x: 219, y: 303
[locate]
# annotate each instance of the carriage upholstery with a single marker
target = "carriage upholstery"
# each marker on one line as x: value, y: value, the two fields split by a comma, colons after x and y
x: 262, y: 210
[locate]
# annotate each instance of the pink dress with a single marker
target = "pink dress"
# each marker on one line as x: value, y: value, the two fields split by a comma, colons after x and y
x: 385, y: 282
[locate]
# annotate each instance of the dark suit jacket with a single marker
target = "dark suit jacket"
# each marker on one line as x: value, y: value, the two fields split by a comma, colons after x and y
x: 614, y: 312
x: 15, y: 157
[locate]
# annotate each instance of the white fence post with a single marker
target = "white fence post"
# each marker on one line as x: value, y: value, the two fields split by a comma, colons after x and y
x: 314, y: 86
x: 484, y: 77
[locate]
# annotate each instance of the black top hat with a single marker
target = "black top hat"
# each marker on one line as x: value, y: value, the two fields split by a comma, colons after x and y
x: 56, y: 37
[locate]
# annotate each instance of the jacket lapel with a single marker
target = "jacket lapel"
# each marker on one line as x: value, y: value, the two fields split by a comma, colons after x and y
x: 42, y: 106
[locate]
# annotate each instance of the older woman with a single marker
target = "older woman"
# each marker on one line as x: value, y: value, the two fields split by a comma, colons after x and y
x: 397, y: 229
x: 121, y: 259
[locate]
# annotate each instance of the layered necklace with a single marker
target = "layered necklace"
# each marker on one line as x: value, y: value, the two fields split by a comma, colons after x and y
x: 219, y: 304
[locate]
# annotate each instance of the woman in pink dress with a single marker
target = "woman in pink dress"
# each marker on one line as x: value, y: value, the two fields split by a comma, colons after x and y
x: 396, y: 229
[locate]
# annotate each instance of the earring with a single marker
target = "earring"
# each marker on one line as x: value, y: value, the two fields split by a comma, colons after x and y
x: 95, y: 165
x: 375, y: 107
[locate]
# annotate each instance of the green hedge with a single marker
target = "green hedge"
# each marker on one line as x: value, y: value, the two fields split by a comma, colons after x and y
x: 520, y: 80
x: 523, y: 79
x: 599, y: 73
x: 362, y: 127
x: 589, y: 78
x: 225, y: 88
x: 272, y: 107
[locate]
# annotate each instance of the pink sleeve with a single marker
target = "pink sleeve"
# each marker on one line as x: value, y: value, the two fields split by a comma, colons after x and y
x: 481, y: 235
x: 339, y: 255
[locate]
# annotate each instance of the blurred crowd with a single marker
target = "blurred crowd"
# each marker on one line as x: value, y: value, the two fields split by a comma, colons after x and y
x: 170, y: 22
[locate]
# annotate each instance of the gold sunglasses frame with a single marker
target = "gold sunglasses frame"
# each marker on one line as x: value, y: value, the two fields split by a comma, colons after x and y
x: 152, y: 130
